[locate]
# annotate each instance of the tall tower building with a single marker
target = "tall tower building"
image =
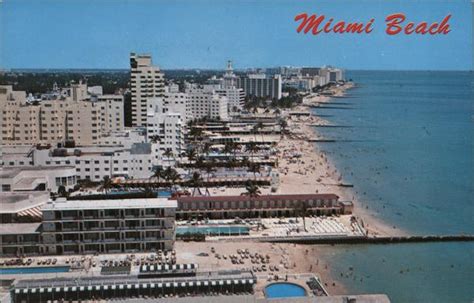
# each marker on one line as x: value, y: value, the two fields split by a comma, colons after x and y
x: 147, y: 81
x: 230, y: 79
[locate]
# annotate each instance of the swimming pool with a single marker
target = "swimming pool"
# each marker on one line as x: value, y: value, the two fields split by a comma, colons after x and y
x: 213, y: 230
x: 284, y: 290
x: 33, y: 270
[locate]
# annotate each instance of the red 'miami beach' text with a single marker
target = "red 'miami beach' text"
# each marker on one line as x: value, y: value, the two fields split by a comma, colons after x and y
x: 395, y: 24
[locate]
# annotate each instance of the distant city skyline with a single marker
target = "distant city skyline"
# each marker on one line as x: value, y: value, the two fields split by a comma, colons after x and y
x: 183, y: 34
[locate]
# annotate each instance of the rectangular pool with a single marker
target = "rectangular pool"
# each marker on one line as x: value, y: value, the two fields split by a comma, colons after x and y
x: 33, y: 270
x: 213, y: 230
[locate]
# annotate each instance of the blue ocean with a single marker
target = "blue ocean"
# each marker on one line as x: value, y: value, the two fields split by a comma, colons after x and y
x: 407, y: 146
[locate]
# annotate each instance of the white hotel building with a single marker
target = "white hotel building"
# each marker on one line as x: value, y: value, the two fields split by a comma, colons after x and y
x: 108, y: 226
x: 206, y: 103
x: 91, y: 162
x: 165, y: 125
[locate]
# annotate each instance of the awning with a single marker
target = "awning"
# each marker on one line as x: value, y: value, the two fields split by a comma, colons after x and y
x: 31, y: 212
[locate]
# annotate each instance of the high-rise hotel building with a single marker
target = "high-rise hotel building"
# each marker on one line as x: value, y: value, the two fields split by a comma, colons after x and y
x: 147, y: 81
x: 261, y: 85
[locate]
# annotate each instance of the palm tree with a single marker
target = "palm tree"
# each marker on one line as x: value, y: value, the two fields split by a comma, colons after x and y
x: 154, y: 139
x: 252, y: 189
x: 191, y: 154
x: 200, y: 163
x: 302, y: 211
x: 195, y: 133
x: 236, y: 147
x: 206, y: 148
x: 255, y: 168
x: 209, y: 167
x: 168, y: 154
x: 255, y: 129
x: 228, y: 147
x: 168, y: 172
x: 196, y: 180
x: 106, y: 184
x: 174, y: 176
x: 157, y: 173
x: 252, y: 147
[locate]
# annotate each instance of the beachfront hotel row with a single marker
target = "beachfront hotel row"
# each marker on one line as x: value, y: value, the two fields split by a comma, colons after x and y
x: 131, y: 225
x: 106, y: 194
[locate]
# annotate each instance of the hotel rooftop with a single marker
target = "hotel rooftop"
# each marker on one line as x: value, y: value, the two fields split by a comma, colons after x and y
x: 62, y: 204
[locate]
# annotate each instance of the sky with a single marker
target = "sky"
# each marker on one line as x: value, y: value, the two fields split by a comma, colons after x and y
x: 206, y: 33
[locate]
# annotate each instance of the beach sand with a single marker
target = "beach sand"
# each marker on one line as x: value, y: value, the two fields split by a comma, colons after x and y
x: 300, y: 259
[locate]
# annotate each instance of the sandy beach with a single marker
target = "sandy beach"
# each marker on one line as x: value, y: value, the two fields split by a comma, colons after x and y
x: 305, y: 168
x: 299, y: 260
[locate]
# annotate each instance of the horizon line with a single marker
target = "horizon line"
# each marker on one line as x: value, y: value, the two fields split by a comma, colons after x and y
x: 6, y: 70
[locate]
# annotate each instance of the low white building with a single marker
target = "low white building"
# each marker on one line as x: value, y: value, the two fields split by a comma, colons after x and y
x: 37, y: 178
x: 92, y: 162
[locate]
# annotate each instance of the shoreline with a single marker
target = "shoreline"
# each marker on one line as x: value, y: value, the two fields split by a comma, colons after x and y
x: 315, y: 171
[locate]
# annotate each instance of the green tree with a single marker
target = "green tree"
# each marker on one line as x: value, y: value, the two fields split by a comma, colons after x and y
x: 106, y: 184
x: 252, y: 189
